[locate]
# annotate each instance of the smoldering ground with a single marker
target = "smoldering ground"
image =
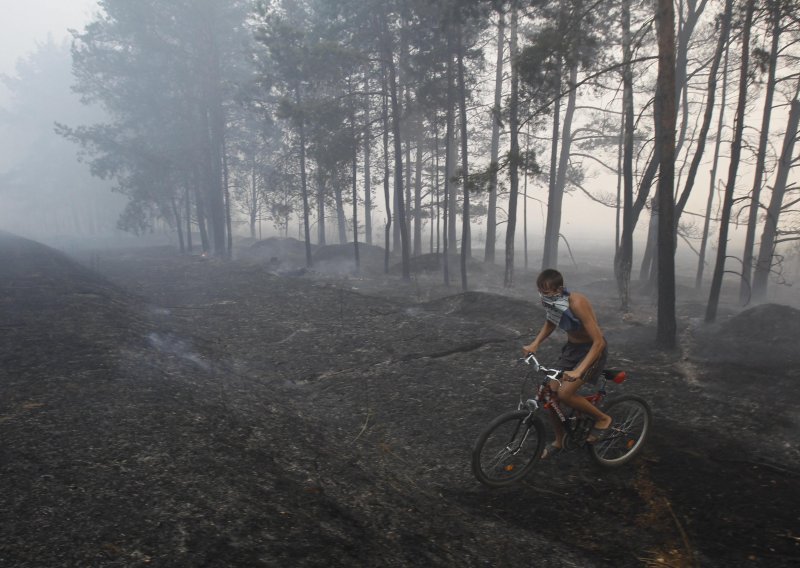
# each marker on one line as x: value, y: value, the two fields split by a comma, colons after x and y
x: 171, y: 411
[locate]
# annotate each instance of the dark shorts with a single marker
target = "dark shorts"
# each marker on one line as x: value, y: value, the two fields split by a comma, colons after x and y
x: 573, y: 353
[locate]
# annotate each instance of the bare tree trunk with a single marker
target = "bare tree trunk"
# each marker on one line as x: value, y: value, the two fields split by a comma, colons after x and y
x: 724, y: 32
x: 367, y: 163
x: 398, y: 167
x: 201, y: 220
x: 624, y: 255
x: 513, y: 123
x: 188, y: 197
x: 353, y: 128
x: 736, y: 150
x: 555, y: 135
x: 304, y: 180
x: 227, y: 199
x: 418, y: 199
x: 178, y: 223
x: 449, y: 165
x: 452, y: 188
x: 341, y: 222
x: 755, y: 194
x: 321, y: 191
x: 701, y: 262
x: 466, y: 245
x: 253, y: 199
x: 686, y: 30
x: 768, y: 236
x: 491, y: 220
x: 437, y: 184
x: 386, y: 171
x: 665, y: 143
x: 525, y: 195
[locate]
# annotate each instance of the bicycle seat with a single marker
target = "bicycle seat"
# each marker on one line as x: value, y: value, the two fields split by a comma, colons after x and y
x: 614, y: 375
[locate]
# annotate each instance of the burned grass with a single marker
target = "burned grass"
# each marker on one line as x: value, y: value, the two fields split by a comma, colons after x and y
x: 177, y: 411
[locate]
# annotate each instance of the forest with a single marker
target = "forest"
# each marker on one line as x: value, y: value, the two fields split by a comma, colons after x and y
x: 267, y: 266
x: 409, y: 124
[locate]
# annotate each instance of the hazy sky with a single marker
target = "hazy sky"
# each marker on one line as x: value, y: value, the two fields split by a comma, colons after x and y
x: 25, y: 23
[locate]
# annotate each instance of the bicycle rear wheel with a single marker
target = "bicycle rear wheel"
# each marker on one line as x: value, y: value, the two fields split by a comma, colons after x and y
x: 630, y: 426
x: 506, y: 451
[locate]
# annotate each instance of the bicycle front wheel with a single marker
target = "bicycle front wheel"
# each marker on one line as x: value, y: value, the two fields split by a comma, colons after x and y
x: 506, y: 451
x: 630, y: 426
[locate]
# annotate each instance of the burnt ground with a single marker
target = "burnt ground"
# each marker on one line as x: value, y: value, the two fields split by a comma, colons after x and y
x: 165, y: 410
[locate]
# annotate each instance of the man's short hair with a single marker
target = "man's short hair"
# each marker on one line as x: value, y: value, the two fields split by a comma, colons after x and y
x: 549, y: 279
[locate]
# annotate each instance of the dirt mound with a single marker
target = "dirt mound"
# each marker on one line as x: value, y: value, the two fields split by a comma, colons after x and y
x: 42, y: 288
x: 277, y: 247
x: 762, y: 335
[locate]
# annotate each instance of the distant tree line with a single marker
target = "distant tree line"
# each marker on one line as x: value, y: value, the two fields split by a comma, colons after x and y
x: 303, y: 111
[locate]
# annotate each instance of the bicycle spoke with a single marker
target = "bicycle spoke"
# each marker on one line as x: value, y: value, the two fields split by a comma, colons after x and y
x: 629, y: 428
x: 505, y: 452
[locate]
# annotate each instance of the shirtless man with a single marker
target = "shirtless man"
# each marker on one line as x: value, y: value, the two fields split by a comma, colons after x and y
x: 583, y: 356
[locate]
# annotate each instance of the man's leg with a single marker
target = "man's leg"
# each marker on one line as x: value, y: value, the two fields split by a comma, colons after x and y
x: 568, y: 394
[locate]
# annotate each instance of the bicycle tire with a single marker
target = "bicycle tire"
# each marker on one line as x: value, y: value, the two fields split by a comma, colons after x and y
x: 509, y: 447
x: 632, y: 421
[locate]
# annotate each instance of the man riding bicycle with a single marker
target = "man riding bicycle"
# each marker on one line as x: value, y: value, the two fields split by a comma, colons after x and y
x: 582, y: 357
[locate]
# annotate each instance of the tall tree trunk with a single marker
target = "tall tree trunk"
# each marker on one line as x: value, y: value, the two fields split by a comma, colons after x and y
x: 525, y: 195
x: 452, y: 188
x: 448, y: 236
x: 418, y: 199
x: 651, y: 243
x: 229, y: 229
x: 701, y: 261
x: 304, y: 178
x: 755, y: 194
x: 724, y: 32
x: 554, y: 146
x: 768, y: 236
x: 624, y: 254
x: 341, y: 222
x: 188, y: 198
x: 437, y: 184
x: 736, y: 150
x: 556, y: 198
x: 398, y: 166
x: 253, y: 199
x: 665, y: 119
x: 466, y: 244
x: 367, y: 164
x: 353, y: 129
x: 201, y: 219
x: 513, y: 124
x: 491, y: 220
x: 686, y: 30
x: 321, y: 191
x: 178, y: 223
x: 386, y: 170
x: 214, y: 117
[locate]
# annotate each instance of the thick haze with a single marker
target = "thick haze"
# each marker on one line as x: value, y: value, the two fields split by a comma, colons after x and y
x: 24, y: 24
x: 46, y: 196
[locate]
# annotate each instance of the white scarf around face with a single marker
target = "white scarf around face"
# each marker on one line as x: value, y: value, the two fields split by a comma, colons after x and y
x: 555, y: 308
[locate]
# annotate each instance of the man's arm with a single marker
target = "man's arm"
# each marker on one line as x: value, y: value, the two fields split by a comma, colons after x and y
x: 582, y: 309
x: 543, y: 334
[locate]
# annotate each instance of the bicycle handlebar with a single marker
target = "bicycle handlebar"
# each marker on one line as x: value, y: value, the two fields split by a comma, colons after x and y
x: 552, y: 374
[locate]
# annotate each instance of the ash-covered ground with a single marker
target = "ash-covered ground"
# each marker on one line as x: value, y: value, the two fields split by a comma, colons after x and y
x: 167, y: 410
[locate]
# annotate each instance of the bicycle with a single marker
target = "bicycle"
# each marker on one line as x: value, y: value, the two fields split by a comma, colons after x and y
x: 512, y: 444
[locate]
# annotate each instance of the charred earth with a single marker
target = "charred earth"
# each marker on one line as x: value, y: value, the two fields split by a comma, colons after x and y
x: 167, y: 410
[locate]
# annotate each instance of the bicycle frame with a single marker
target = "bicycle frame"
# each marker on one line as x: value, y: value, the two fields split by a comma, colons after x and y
x: 546, y: 400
